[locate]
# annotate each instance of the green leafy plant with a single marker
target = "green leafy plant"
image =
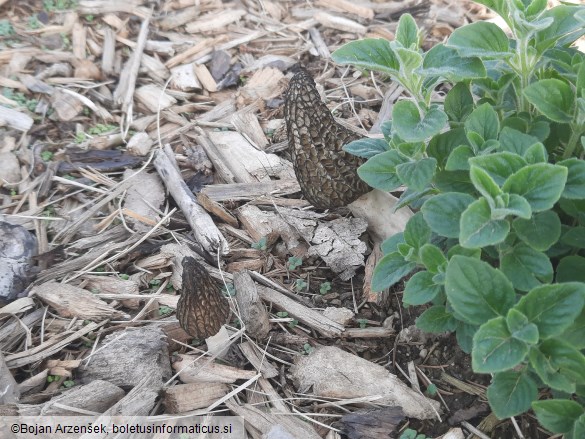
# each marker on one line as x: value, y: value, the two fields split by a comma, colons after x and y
x: 409, y: 433
x: 496, y: 173
x: 261, y: 244
x: 363, y: 323
x: 228, y: 290
x: 46, y: 156
x: 324, y: 287
x: 6, y: 28
x: 294, y: 262
x: 300, y: 285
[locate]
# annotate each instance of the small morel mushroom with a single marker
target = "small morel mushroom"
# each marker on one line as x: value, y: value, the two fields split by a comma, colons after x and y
x: 201, y: 309
x: 326, y: 173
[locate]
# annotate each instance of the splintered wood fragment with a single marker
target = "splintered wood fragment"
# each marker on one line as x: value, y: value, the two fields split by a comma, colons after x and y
x: 205, y: 78
x: 348, y: 7
x: 216, y: 209
x: 246, y: 123
x: 70, y: 301
x: 379, y: 332
x: 319, y: 43
x: 153, y: 97
x: 184, y: 78
x: 245, y: 163
x: 270, y: 425
x: 124, y: 358
x: 273, y: 396
x: 261, y: 364
x: 247, y: 191
x: 309, y: 317
x: 78, y: 40
x: 186, y: 397
x: 202, y: 47
x: 204, y: 229
x: 215, y: 20
x: 253, y: 312
x: 97, y: 397
x: 15, y: 119
x: 379, y: 298
x: 173, y: 21
x: 340, y: 23
x: 373, y: 422
x: 264, y: 84
x: 124, y: 93
x: 50, y: 347
x: 109, y: 51
x: 332, y: 372
x: 202, y: 370
x: 113, y: 285
x: 112, y: 6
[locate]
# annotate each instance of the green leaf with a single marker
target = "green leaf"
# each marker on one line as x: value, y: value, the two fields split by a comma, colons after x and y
x: 390, y: 245
x: 420, y: 289
x: 520, y: 328
x: 465, y: 335
x: 571, y: 269
x: 370, y: 53
x: 459, y: 158
x: 458, y: 102
x: 574, y: 237
x: 366, y: 147
x: 436, y: 319
x: 575, y: 187
x: 482, y: 39
x: 565, y: 29
x: 407, y: 31
x: 443, y: 212
x: 515, y: 141
x: 390, y: 270
x: 409, y: 60
x: 454, y: 181
x: 446, y: 62
x: 470, y: 252
x: 499, y: 165
x: 526, y: 268
x: 541, y: 231
x: 548, y: 373
x: 536, y: 154
x: 511, y: 393
x: 411, y: 127
x: 553, y: 98
x: 484, y: 121
x: 494, y: 348
x: 484, y: 183
x: 579, y: 427
x: 417, y: 175
x: 553, y: 308
x: 565, y: 358
x: 416, y: 232
x: 442, y: 144
x: 541, y: 184
x: 432, y: 258
x: 557, y: 415
x: 380, y: 171
x: 476, y: 290
x: 575, y: 334
x: 515, y: 206
x: 477, y: 227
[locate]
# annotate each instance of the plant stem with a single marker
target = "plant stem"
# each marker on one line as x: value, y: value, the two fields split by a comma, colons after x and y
x: 572, y: 143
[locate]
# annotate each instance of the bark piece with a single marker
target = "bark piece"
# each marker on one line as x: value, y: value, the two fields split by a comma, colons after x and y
x: 334, y: 373
x: 372, y: 423
x: 193, y: 370
x: 125, y: 358
x: 97, y: 396
x: 252, y: 310
x: 144, y: 198
x: 70, y: 301
x: 186, y: 397
x: 310, y: 317
x: 260, y: 363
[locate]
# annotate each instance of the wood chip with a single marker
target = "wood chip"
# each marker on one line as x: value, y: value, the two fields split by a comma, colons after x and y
x: 340, y: 23
x: 215, y: 21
